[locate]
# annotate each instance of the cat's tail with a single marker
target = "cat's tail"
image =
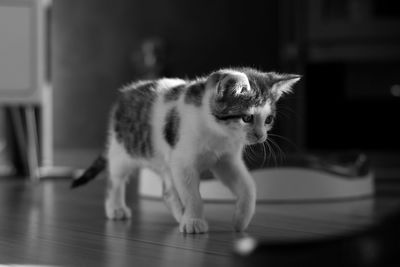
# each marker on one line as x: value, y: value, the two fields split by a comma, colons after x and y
x: 89, y: 174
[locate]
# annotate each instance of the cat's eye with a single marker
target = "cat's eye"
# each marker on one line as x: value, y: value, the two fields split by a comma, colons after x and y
x: 269, y: 119
x: 247, y: 118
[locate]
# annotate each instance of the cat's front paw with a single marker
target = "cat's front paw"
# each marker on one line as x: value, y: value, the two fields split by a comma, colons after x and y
x: 118, y: 213
x: 240, y: 223
x: 243, y: 216
x: 193, y: 226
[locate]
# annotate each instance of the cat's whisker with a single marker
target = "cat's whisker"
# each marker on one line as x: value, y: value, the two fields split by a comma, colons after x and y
x: 283, y: 114
x: 277, y: 152
x: 256, y: 154
x: 290, y: 142
x: 271, y: 151
x: 246, y: 154
x: 264, y: 155
x: 281, y: 153
x: 274, y: 155
x: 286, y: 108
x: 250, y: 154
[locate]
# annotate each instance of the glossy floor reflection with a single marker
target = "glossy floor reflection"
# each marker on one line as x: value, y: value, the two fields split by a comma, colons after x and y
x: 47, y: 223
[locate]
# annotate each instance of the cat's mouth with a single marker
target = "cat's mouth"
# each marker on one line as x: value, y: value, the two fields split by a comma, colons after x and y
x: 253, y: 139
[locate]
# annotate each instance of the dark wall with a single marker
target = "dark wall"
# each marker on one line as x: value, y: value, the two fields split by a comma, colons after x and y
x: 205, y: 35
x: 93, y: 41
x: 91, y: 44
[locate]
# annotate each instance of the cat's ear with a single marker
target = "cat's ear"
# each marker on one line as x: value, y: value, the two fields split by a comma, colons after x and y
x: 229, y: 83
x: 283, y: 83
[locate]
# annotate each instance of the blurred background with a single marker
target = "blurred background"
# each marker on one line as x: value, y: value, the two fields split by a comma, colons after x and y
x: 347, y: 50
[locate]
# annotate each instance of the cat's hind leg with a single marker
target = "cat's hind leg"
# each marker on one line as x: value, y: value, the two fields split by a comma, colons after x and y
x: 115, y: 205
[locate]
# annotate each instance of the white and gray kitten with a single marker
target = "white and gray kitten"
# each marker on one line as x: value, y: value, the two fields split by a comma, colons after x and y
x: 179, y: 128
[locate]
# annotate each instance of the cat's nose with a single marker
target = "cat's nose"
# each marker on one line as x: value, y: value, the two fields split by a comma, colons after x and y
x: 260, y: 137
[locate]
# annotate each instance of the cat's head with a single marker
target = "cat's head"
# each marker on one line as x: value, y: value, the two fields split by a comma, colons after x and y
x: 244, y: 102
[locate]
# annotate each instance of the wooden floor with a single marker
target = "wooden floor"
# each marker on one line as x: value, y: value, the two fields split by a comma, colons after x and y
x: 48, y: 224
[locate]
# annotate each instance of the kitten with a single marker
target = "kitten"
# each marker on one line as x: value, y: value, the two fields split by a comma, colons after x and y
x: 180, y: 128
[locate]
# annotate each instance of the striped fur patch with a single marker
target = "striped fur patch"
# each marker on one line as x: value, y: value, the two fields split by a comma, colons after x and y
x: 194, y: 94
x: 174, y: 93
x: 171, y: 128
x: 132, y: 119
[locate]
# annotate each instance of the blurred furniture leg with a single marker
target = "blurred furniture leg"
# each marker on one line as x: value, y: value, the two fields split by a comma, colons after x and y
x: 25, y: 128
x: 35, y: 147
x: 18, y: 126
x: 32, y: 142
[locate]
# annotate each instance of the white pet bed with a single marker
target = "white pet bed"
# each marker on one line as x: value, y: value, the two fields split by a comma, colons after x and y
x: 303, y: 178
x: 278, y: 184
